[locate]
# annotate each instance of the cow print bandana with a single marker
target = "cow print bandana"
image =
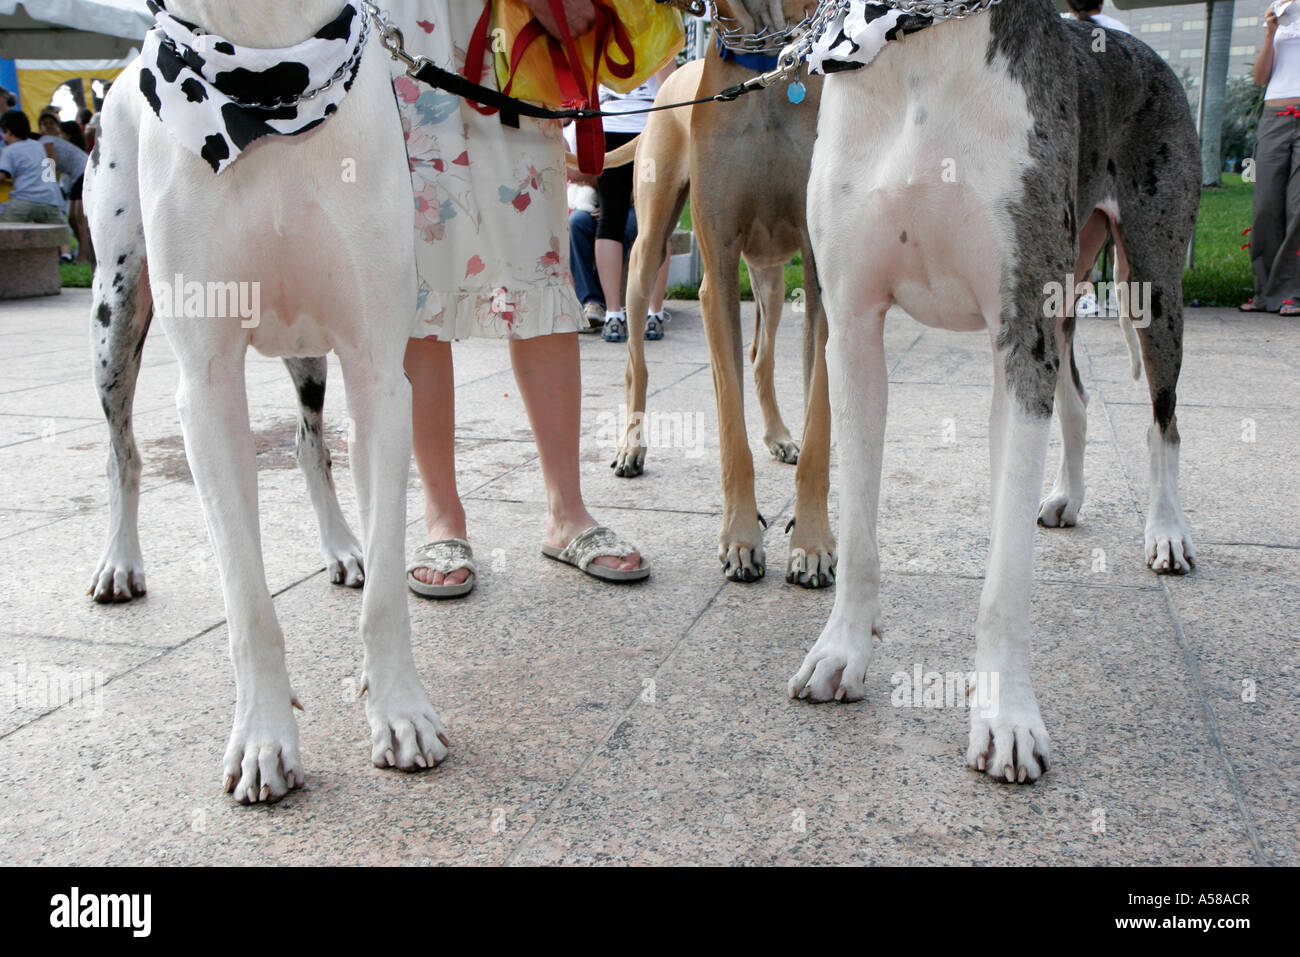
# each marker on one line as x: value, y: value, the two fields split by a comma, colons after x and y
x: 857, y: 33
x: 216, y: 98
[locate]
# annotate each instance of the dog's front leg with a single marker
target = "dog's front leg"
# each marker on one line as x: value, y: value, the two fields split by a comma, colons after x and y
x: 405, y: 731
x: 1007, y: 735
x: 261, y: 761
x: 859, y: 389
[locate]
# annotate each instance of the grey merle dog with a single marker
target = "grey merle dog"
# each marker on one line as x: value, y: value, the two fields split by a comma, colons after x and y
x: 971, y: 169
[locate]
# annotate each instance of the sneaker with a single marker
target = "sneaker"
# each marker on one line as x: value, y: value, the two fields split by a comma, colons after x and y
x: 654, y: 326
x: 615, y: 327
x: 1086, y: 306
x: 593, y: 314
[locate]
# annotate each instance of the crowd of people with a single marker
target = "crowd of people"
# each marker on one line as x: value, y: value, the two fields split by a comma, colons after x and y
x: 44, y: 170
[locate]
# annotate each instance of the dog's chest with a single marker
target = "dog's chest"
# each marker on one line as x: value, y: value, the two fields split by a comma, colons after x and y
x: 929, y: 143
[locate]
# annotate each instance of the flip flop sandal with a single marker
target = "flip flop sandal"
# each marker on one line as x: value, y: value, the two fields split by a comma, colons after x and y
x: 597, y: 542
x: 445, y: 555
x: 654, y: 328
x: 1249, y: 306
x: 615, y: 330
x: 1289, y: 308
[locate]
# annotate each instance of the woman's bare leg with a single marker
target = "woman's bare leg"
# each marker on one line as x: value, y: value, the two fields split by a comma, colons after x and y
x: 550, y: 381
x: 433, y: 417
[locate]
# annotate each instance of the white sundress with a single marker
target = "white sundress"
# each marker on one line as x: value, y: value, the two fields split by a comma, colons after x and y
x: 491, y: 213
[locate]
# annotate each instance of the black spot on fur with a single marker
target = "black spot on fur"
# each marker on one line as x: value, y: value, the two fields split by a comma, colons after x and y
x: 311, y: 393
x: 225, y: 47
x: 104, y: 314
x: 1163, y: 406
x: 1110, y: 167
x: 169, y: 63
x: 903, y: 237
x: 120, y: 211
x: 118, y: 278
x: 121, y: 259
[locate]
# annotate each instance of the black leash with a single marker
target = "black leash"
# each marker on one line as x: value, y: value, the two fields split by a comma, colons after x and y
x: 458, y: 85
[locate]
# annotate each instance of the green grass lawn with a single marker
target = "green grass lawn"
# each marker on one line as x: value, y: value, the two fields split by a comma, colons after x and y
x: 1221, y: 275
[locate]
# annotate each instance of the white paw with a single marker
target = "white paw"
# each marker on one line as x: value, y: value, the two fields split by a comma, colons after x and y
x: 1169, y: 548
x: 261, y: 762
x: 1008, y: 740
x: 836, y: 668
x: 1060, y: 510
x: 784, y: 450
x: 405, y: 731
x: 344, y: 562
x: 120, y: 575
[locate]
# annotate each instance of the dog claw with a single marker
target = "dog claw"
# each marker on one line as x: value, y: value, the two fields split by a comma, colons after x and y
x: 390, y: 758
x: 266, y: 793
x: 443, y: 738
x: 230, y: 783
x: 297, y: 704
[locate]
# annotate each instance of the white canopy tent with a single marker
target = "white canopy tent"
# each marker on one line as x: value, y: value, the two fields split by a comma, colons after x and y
x: 71, y: 29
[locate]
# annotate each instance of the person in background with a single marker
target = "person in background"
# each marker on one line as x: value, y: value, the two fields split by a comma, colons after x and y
x: 1275, y: 220
x: 614, y: 187
x: 1090, y: 10
x: 76, y: 212
x: 69, y: 163
x: 35, y: 196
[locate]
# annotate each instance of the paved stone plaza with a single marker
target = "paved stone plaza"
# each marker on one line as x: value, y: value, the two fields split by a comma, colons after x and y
x: 649, y: 724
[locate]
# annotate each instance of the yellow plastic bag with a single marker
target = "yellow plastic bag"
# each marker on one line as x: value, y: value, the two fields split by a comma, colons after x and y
x: 632, y: 41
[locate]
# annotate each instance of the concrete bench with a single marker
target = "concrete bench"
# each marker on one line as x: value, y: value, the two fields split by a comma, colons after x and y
x: 29, y: 259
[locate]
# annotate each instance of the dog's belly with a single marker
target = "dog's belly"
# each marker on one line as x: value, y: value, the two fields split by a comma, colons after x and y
x: 919, y: 157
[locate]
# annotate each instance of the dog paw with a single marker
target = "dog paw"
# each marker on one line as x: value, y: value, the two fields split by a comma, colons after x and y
x: 345, y: 565
x: 813, y: 558
x: 784, y: 450
x: 1169, y: 549
x: 119, y: 577
x: 836, y: 668
x: 405, y: 731
x: 1008, y: 741
x: 1060, y: 510
x: 261, y: 762
x: 743, y: 563
x: 628, y: 462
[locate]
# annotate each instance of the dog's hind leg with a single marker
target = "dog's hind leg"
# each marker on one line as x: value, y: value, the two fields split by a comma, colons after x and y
x: 661, y: 184
x: 405, y: 731
x: 1154, y: 299
x: 769, y: 294
x: 121, y: 309
x: 342, y: 553
x: 1060, y: 509
x: 812, y: 545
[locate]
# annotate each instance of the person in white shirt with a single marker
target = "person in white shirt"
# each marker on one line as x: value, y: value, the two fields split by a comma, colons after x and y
x: 1090, y: 10
x: 1275, y: 222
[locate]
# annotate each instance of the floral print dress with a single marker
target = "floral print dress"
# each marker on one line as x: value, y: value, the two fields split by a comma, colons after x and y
x: 490, y: 210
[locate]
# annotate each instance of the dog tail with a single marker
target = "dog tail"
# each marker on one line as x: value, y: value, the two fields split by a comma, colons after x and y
x: 1134, y: 347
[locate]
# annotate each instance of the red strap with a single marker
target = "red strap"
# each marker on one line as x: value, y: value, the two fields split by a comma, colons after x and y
x: 474, y: 56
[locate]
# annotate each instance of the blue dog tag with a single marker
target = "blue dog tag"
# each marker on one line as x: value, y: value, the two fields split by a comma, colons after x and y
x: 795, y: 92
